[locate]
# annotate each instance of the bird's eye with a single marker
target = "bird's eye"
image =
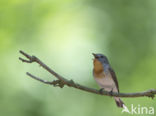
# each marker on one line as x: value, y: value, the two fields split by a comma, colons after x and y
x: 102, y: 56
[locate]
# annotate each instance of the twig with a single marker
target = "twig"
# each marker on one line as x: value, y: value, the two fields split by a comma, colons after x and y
x: 61, y: 81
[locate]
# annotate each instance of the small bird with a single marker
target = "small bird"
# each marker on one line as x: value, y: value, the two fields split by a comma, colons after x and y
x: 105, y: 76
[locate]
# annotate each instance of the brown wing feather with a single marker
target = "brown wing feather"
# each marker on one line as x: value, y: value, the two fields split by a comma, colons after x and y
x: 114, y: 78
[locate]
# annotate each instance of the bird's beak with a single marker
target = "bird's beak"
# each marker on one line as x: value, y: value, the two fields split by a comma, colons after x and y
x: 94, y: 55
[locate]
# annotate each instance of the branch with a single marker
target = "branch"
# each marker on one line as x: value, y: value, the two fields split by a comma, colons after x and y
x: 61, y: 81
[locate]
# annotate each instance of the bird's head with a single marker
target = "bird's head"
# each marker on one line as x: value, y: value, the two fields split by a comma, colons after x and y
x: 101, y: 58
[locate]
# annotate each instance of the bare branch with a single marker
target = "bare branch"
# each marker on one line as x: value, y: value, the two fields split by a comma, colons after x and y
x: 54, y: 83
x: 61, y: 81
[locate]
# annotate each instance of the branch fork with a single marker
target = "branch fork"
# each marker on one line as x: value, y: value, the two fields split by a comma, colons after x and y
x: 61, y: 81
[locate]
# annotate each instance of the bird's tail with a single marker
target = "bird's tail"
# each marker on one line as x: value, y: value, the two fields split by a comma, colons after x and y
x: 119, y: 102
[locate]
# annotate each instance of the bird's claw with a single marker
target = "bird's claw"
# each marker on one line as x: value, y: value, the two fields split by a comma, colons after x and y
x: 101, y: 90
x: 111, y: 92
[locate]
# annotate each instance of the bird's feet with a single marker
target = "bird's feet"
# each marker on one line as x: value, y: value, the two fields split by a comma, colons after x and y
x: 111, y: 92
x: 101, y: 90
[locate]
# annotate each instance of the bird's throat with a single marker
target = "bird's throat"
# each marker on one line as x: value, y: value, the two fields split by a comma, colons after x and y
x: 98, y: 67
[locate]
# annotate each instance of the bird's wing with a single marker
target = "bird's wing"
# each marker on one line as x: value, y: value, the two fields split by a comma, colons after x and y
x: 114, y: 78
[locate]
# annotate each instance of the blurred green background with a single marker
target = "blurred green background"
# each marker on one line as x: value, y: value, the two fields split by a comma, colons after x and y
x: 63, y: 34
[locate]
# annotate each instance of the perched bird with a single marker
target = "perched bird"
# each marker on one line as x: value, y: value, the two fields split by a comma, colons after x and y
x: 105, y: 76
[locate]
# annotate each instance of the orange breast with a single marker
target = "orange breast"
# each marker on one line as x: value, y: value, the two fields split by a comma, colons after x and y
x: 98, y: 69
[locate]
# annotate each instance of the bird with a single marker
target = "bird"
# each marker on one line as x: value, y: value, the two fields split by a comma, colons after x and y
x: 105, y: 76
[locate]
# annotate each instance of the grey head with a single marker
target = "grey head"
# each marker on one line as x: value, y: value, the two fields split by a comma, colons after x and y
x: 102, y: 58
